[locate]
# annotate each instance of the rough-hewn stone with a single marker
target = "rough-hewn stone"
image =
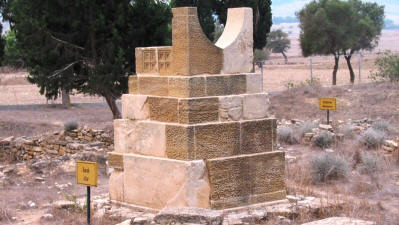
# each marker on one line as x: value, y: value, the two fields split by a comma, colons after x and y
x: 254, y: 83
x: 217, y: 140
x: 116, y: 186
x: 340, y: 221
x: 256, y: 136
x: 246, y: 179
x: 230, y: 108
x: 133, y: 84
x: 187, y: 87
x: 198, y: 110
x: 135, y: 107
x: 163, y: 109
x: 115, y: 160
x: 189, y: 216
x: 255, y: 106
x: 226, y: 85
x: 152, y: 85
x: 122, y: 129
x: 179, y: 142
x: 167, y: 183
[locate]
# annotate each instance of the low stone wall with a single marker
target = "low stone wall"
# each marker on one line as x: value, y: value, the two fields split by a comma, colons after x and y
x: 55, y: 144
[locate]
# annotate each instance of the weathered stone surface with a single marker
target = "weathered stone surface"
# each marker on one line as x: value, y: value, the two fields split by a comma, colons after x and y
x: 246, y: 179
x: 126, y: 222
x: 163, y: 109
x: 147, y: 138
x: 135, y: 107
x: 189, y: 215
x: 188, y: 187
x: 257, y: 136
x: 122, y: 129
x: 193, y: 53
x: 254, y: 83
x: 116, y: 186
x: 217, y: 140
x: 255, y: 106
x: 154, y: 60
x: 133, y: 84
x: 198, y: 110
x: 230, y: 108
x: 187, y: 87
x: 115, y: 160
x: 226, y: 85
x: 237, y: 41
x: 180, y: 142
x: 152, y: 85
x: 340, y: 221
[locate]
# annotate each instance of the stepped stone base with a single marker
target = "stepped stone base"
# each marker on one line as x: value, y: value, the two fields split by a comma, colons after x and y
x: 217, y: 183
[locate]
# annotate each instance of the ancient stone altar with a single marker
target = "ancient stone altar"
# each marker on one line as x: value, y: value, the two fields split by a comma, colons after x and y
x: 195, y: 130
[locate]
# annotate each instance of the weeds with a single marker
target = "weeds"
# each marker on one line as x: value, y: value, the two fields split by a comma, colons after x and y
x: 370, y: 163
x: 382, y: 125
x: 306, y: 127
x: 325, y: 167
x: 348, y: 131
x: 71, y: 125
x: 372, y: 138
x: 286, y: 135
x: 323, y: 140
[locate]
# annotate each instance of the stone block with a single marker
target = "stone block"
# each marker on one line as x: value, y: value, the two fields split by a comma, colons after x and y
x: 135, y: 107
x: 255, y: 106
x: 158, y: 183
x: 217, y: 140
x: 153, y: 85
x: 257, y: 136
x: 122, y: 129
x: 133, y: 84
x: 254, y: 83
x: 230, y: 108
x: 163, y: 109
x: 147, y: 138
x: 226, y: 85
x: 115, y: 160
x: 116, y: 186
x: 198, y: 110
x: 340, y: 221
x: 246, y: 179
x: 179, y: 142
x: 187, y: 87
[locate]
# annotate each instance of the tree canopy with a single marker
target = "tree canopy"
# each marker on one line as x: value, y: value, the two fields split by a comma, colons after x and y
x: 278, y: 42
x: 339, y: 27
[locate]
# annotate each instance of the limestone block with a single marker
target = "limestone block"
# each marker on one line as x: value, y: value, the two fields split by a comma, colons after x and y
x: 122, y: 129
x: 254, y: 83
x: 158, y: 183
x: 154, y: 60
x: 187, y: 87
x: 153, y: 85
x: 115, y: 160
x: 257, y: 136
x: 217, y: 140
x: 180, y: 142
x: 246, y: 179
x: 135, y: 107
x: 226, y: 85
x: 116, y: 186
x: 237, y: 41
x: 230, y: 108
x: 340, y: 221
x: 198, y: 110
x: 133, y: 84
x: 163, y: 109
x: 193, y: 53
x: 255, y: 106
x: 147, y: 138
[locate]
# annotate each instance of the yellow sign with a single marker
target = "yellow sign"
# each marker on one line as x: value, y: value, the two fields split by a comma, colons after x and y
x: 328, y: 103
x: 86, y: 173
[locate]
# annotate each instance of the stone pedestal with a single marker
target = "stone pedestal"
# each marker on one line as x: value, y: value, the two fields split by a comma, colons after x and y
x: 191, y: 136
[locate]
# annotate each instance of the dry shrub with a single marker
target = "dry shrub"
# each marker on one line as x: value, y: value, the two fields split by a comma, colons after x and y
x: 71, y: 125
x: 324, y: 139
x: 370, y: 163
x: 286, y: 135
x: 306, y: 127
x: 383, y: 126
x: 325, y: 167
x: 372, y: 138
x: 347, y: 130
x: 5, y: 216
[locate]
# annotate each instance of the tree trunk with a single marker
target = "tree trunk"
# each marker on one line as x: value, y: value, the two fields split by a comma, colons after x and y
x: 334, y: 80
x: 111, y: 101
x: 66, y: 99
x: 285, y: 57
x: 352, y: 74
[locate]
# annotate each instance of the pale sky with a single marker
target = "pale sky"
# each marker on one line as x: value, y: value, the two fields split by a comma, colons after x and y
x: 284, y: 8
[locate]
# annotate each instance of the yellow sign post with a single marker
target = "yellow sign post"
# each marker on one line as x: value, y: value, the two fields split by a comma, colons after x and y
x: 86, y: 174
x: 328, y: 104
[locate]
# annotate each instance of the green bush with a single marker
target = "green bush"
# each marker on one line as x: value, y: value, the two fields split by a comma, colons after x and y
x: 325, y: 167
x: 372, y: 138
x: 12, y: 56
x: 387, y: 66
x: 324, y: 139
x: 71, y: 125
x: 286, y: 135
x: 261, y: 55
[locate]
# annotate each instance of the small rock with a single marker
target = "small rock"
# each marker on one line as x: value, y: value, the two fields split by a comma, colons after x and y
x: 39, y: 179
x: 329, y: 150
x: 391, y: 144
x: 48, y: 216
x: 63, y: 204
x: 189, y: 215
x: 140, y: 221
x: 126, y: 222
x: 31, y: 204
x: 340, y: 221
x: 325, y: 127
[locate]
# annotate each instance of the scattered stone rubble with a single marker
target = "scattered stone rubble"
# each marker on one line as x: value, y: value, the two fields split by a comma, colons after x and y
x: 55, y: 144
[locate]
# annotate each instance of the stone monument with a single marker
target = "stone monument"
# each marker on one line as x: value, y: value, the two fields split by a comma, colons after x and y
x: 195, y: 130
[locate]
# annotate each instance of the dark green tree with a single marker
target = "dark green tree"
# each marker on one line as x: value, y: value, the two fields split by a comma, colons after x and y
x: 278, y: 42
x: 2, y: 45
x: 86, y: 46
x: 339, y: 27
x: 12, y: 56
